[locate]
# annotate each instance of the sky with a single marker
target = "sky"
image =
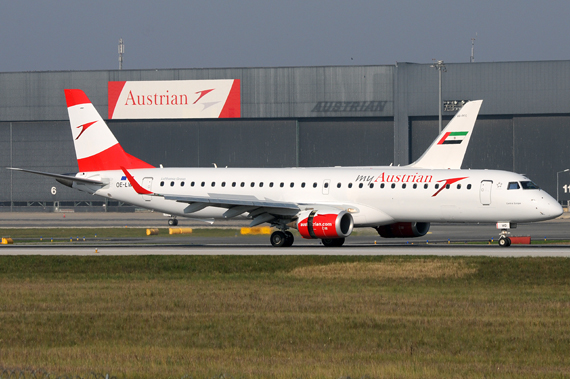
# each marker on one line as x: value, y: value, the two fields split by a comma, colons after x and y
x: 83, y: 35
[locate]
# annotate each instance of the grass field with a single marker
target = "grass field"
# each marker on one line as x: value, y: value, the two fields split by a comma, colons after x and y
x: 286, y: 316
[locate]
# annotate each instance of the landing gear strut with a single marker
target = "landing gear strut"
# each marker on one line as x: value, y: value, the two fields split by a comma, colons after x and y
x: 504, y: 239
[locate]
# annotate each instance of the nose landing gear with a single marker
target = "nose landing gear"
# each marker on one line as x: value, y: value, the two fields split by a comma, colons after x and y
x: 504, y: 239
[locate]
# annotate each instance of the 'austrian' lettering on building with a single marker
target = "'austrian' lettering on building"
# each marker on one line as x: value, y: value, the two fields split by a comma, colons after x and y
x: 156, y: 99
x: 349, y: 106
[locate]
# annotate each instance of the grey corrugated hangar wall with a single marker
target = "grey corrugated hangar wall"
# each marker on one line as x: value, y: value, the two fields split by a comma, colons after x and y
x: 295, y: 116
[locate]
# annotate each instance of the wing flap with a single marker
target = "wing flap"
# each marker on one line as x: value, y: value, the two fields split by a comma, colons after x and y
x: 231, y: 201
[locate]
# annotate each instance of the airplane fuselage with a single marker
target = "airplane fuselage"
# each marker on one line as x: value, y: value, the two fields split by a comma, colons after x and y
x: 373, y: 195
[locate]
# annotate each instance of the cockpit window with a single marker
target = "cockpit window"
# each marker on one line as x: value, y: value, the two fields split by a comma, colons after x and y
x: 513, y: 186
x: 528, y: 185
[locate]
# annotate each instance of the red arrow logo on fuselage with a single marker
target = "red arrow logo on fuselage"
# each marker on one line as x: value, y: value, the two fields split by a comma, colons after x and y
x: 447, y: 182
x: 84, y: 126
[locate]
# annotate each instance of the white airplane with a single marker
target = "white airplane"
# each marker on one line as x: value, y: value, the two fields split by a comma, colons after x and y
x: 324, y: 203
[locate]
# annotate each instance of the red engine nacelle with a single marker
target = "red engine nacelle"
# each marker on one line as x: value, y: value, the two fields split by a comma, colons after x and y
x: 319, y: 224
x: 403, y: 229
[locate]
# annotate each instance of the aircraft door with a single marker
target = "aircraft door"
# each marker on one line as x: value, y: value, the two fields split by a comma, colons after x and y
x: 147, y: 184
x: 485, y: 192
x: 326, y: 185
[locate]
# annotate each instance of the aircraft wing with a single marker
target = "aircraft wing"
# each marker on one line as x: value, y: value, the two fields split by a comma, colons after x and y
x: 261, y: 210
x: 230, y: 201
x: 63, y: 179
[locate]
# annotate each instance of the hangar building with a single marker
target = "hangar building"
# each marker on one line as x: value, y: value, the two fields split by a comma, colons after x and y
x: 293, y: 116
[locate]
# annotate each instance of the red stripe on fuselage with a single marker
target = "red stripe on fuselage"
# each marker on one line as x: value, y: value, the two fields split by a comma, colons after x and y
x: 137, y: 187
x: 111, y: 159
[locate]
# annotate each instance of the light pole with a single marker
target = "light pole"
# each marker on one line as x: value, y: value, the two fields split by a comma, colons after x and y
x: 557, y: 182
x: 440, y: 67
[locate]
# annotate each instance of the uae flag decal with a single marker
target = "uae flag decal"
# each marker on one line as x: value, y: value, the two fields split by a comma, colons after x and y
x: 452, y: 138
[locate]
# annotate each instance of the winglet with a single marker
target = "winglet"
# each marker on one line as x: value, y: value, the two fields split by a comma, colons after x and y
x: 448, y: 149
x: 137, y: 187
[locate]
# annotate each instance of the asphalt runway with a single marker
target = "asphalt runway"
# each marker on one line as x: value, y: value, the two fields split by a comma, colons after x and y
x: 425, y: 250
x: 363, y: 242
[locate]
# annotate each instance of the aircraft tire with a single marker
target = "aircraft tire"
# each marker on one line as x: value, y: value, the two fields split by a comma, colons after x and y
x: 333, y: 242
x: 278, y: 239
x: 504, y: 241
x: 172, y: 222
x: 289, y: 239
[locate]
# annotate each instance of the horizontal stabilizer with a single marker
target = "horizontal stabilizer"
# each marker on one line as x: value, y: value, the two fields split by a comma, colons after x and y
x: 63, y: 179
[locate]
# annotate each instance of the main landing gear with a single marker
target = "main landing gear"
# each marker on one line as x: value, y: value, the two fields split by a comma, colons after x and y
x: 333, y: 242
x: 283, y: 238
x: 172, y: 222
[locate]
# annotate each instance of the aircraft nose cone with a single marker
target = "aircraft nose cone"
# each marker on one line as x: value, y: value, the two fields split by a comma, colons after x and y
x: 550, y: 208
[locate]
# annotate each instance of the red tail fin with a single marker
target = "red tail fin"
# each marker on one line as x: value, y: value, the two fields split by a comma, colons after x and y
x: 96, y: 147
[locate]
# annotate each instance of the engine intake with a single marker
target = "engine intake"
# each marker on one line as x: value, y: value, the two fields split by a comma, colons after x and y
x: 319, y: 224
x: 403, y: 229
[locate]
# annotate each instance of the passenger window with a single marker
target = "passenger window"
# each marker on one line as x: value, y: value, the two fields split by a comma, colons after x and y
x: 469, y: 186
x: 404, y: 185
x: 261, y: 184
x: 171, y: 184
x: 203, y: 184
x: 303, y: 185
x: 292, y: 184
x: 371, y: 185
x: 223, y: 184
x: 447, y: 186
x: 382, y: 185
x: 315, y: 185
x: 513, y: 186
x: 181, y: 184
x: 426, y: 186
x: 360, y: 185
x: 436, y: 185
x: 349, y: 185
x: 282, y: 184
x: 234, y: 184
x: 338, y: 185
x: 415, y: 185
x: 459, y: 186
x: 192, y: 184
x: 252, y: 184
x: 393, y: 185
x: 271, y: 184
x: 213, y: 184
x: 326, y: 185
x: 162, y: 184
x: 242, y: 184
